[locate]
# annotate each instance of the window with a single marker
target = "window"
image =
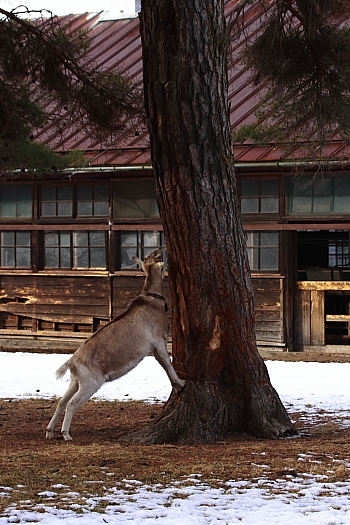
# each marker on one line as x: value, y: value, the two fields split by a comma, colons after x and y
x: 263, y: 250
x: 56, y: 201
x: 323, y: 249
x: 16, y: 201
x: 15, y: 249
x: 338, y: 252
x: 134, y: 199
x: 259, y: 196
x: 92, y: 201
x: 79, y: 249
x: 138, y: 243
x: 325, y: 195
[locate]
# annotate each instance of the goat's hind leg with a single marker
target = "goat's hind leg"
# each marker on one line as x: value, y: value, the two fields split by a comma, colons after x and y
x: 86, y: 390
x: 161, y: 354
x: 72, y: 389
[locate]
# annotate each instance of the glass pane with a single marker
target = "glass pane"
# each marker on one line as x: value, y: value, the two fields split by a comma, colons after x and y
x: 250, y: 187
x: 23, y: 257
x: 23, y: 238
x: 268, y: 258
x: 64, y: 209
x: 8, y: 257
x: 341, y: 204
x: 322, y: 205
x: 269, y: 205
x: 97, y: 258
x: 269, y: 187
x: 322, y: 196
x: 249, y: 205
x: 302, y: 187
x: 100, y: 209
x: 51, y: 238
x: 8, y: 238
x: 48, y: 209
x: 81, y: 257
x: 64, y: 239
x: 84, y: 193
x: 81, y: 239
x: 253, y: 238
x: 97, y: 238
x: 126, y: 261
x: 51, y: 258
x: 128, y: 238
x: 301, y: 205
x: 84, y: 209
x: 48, y: 193
x: 268, y: 239
x: 151, y: 239
x: 65, y: 255
x: 134, y: 199
x: 16, y: 201
x: 64, y: 193
x: 24, y: 201
x: 8, y: 209
x: 253, y: 256
x: 101, y: 192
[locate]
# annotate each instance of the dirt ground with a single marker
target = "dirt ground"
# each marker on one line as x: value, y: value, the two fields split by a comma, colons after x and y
x: 31, y: 464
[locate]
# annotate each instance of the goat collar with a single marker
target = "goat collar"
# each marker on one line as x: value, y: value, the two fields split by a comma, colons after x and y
x: 158, y: 296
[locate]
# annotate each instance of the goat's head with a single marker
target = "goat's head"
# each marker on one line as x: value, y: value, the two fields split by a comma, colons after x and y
x: 153, y: 261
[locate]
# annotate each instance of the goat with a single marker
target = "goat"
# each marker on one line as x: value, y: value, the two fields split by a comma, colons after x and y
x: 119, y: 346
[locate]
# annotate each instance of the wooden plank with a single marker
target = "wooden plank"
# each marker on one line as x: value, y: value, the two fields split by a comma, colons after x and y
x: 268, y: 315
x: 43, y: 333
x: 338, y: 318
x: 323, y: 285
x: 59, y: 309
x: 317, y: 318
x: 48, y: 300
x: 269, y: 326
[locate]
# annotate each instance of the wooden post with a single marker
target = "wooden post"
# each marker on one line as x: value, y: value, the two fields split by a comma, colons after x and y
x: 317, y: 318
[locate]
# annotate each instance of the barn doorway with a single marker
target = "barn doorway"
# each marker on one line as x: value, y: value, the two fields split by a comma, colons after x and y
x: 323, y: 255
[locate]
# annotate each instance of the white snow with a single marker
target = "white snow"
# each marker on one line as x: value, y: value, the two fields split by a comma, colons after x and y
x: 309, y: 388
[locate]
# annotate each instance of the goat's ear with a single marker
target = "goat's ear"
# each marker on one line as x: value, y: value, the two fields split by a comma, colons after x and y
x: 138, y: 261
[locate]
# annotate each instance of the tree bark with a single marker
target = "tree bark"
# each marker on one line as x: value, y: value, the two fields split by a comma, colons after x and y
x: 185, y: 79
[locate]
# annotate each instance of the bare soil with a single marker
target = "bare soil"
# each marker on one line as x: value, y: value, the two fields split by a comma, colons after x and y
x: 30, y: 464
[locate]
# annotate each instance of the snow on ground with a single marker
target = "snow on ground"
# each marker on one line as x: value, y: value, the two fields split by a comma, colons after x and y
x: 306, y: 500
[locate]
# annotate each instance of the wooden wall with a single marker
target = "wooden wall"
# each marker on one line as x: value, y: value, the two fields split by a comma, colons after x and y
x: 268, y: 300
x: 76, y: 306
x: 51, y: 303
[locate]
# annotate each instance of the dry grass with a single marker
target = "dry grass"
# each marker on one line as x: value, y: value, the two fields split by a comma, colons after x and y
x: 94, y: 462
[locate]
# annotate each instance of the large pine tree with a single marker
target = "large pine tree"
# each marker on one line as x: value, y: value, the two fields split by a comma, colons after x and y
x: 185, y: 80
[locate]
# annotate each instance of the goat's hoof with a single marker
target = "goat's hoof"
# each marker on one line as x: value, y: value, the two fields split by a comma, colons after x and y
x: 66, y: 436
x: 49, y: 433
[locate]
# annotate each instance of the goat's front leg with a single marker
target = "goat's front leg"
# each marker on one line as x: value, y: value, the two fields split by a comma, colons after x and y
x: 160, y: 352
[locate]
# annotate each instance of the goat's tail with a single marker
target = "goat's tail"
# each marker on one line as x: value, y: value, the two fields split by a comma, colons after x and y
x: 62, y: 369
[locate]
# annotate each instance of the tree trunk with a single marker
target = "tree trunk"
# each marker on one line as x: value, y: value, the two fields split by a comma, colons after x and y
x: 185, y: 79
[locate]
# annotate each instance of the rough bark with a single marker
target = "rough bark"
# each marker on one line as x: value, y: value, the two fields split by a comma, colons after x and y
x: 185, y: 78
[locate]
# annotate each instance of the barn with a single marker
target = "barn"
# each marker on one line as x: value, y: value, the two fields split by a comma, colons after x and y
x: 67, y: 238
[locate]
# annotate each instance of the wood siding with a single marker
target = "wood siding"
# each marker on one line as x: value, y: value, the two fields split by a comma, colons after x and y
x: 268, y: 299
x: 77, y: 305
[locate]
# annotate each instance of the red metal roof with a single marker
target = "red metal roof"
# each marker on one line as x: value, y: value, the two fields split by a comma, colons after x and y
x: 116, y: 45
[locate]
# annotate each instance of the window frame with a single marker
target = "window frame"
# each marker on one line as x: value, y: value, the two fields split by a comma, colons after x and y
x: 15, y: 247
x: 260, y: 196
x: 73, y: 247
x: 257, y: 249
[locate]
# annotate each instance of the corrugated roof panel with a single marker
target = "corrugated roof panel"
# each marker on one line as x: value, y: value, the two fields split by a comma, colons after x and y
x: 116, y: 45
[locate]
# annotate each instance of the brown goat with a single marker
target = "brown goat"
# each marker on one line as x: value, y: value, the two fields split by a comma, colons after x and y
x: 119, y: 346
